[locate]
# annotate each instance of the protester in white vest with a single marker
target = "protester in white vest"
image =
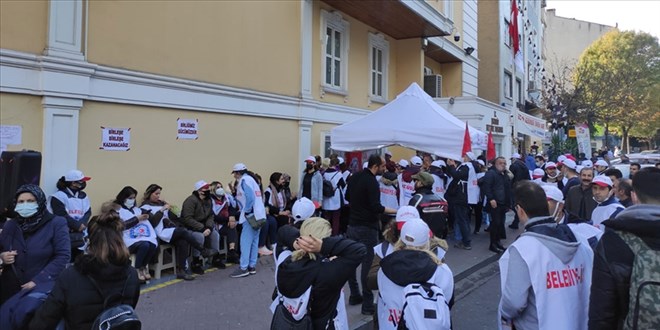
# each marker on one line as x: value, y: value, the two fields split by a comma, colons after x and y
x: 546, y: 273
x: 389, y: 190
x: 583, y: 231
x: 411, y: 262
x: 439, y: 177
x: 608, y: 206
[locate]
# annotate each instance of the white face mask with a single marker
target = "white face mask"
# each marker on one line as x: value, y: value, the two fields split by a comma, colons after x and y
x: 219, y: 192
x: 130, y: 202
x: 27, y: 210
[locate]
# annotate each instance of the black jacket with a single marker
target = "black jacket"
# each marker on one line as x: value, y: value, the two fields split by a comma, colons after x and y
x: 579, y: 205
x: 613, y: 260
x: 77, y: 300
x: 457, y: 190
x: 427, y: 203
x: 364, y: 196
x: 520, y: 171
x: 326, y: 277
x: 497, y: 185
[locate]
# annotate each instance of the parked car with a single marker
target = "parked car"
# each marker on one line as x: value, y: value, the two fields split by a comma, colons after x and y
x: 644, y: 159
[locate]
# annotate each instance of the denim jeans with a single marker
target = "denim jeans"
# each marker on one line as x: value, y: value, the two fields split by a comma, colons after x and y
x: 268, y: 230
x: 249, y: 246
x: 143, y: 251
x: 461, y: 216
x: 212, y: 240
x: 369, y: 237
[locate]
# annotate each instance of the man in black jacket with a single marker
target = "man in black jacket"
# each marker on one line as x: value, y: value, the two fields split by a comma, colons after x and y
x: 610, y: 301
x: 363, y: 226
x: 520, y: 173
x: 497, y: 189
x: 432, y: 209
x: 457, y: 197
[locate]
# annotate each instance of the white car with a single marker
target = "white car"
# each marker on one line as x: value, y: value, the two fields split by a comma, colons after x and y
x: 645, y: 160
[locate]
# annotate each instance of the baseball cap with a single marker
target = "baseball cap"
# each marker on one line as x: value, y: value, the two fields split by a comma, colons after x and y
x: 403, y: 163
x: 416, y: 160
x: 406, y: 213
x: 439, y: 163
x: 75, y: 175
x: 302, y: 209
x: 552, y: 192
x: 601, y: 162
x: 587, y: 163
x: 515, y: 155
x: 603, y: 181
x: 470, y: 155
x: 569, y: 163
x: 550, y: 165
x: 578, y: 168
x: 561, y: 158
x: 388, y: 153
x: 425, y: 178
x: 201, y: 184
x: 239, y: 167
x: 537, y: 173
x: 415, y: 232
x: 310, y: 159
x: 481, y: 162
x: 571, y: 157
x: 340, y: 160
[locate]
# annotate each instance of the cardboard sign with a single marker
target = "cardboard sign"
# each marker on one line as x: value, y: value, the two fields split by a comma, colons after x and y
x: 115, y: 139
x: 186, y: 129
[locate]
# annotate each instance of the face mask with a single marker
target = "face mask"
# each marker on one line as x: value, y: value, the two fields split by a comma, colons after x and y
x: 555, y: 212
x: 83, y: 185
x: 130, y: 203
x: 538, y: 164
x: 220, y: 192
x: 27, y: 210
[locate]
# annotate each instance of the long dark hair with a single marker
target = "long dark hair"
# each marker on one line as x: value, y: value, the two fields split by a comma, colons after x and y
x: 124, y: 194
x: 274, y: 178
x: 106, y: 244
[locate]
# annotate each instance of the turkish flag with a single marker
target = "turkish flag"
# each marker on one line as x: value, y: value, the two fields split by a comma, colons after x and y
x: 467, y: 142
x: 513, y: 28
x: 490, y: 152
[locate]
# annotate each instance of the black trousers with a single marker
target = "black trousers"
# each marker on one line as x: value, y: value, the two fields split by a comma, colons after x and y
x: 497, y: 217
x: 369, y: 237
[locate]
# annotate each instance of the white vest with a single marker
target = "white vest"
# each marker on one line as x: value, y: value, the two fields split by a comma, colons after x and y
x: 602, y: 213
x: 406, y: 190
x: 561, y: 290
x: 391, y: 299
x: 163, y: 233
x: 388, y: 197
x: 473, y: 190
x: 584, y: 231
x: 75, y: 207
x: 259, y: 209
x: 438, y: 186
x: 143, y: 231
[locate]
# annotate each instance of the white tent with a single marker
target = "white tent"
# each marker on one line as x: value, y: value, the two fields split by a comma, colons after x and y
x: 412, y: 120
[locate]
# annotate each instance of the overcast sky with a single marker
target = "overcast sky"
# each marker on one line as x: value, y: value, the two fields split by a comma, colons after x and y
x: 629, y: 14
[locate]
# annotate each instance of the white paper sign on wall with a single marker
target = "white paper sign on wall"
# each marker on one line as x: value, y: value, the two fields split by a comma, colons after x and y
x: 115, y: 139
x: 187, y: 129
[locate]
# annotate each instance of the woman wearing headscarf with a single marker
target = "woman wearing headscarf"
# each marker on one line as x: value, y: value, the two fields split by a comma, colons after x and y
x: 35, y: 248
x: 105, y: 267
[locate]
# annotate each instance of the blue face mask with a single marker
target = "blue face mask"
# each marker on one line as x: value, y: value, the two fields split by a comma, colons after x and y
x: 27, y: 210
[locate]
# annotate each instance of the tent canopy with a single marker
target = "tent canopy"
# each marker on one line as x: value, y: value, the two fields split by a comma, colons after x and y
x: 412, y: 120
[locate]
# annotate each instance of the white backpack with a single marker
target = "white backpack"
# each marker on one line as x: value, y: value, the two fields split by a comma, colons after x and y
x: 424, y: 307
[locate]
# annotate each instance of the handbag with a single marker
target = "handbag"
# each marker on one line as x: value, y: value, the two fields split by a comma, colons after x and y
x: 282, y: 320
x: 254, y: 222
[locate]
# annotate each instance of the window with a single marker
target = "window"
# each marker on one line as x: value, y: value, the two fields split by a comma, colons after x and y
x: 334, y: 31
x: 379, y: 60
x: 520, y: 91
x: 508, y: 88
x: 449, y: 9
x: 507, y: 36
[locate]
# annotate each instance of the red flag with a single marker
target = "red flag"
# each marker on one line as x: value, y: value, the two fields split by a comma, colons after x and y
x: 467, y: 142
x: 513, y: 28
x: 490, y: 152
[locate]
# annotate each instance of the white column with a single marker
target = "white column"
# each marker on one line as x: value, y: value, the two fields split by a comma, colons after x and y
x: 306, y: 13
x: 304, y: 142
x: 65, y: 29
x: 60, y: 139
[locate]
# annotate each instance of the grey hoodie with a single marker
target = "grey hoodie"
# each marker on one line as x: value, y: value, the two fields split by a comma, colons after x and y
x: 518, y: 301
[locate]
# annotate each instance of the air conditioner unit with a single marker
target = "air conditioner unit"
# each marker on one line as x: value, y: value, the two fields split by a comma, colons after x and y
x: 433, y: 85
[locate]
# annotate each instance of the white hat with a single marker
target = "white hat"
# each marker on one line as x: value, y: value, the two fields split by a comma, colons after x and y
x: 569, y: 163
x: 601, y: 162
x: 552, y: 192
x: 537, y: 173
x: 439, y: 163
x: 550, y: 165
x: 406, y: 213
x: 239, y: 167
x: 310, y: 159
x: 603, y: 181
x: 365, y: 164
x: 302, y: 209
x: 415, y: 232
x: 515, y: 155
x: 471, y: 155
x: 579, y: 168
x: 201, y: 184
x: 415, y: 160
x: 561, y: 158
x: 587, y: 163
x: 75, y: 175
x: 340, y: 160
x: 481, y: 162
x: 403, y: 163
x: 388, y: 153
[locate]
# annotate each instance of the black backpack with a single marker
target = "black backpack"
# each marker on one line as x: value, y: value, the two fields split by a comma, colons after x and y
x: 328, y: 188
x: 115, y: 315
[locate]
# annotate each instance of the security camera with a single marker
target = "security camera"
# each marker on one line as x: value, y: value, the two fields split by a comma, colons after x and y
x: 457, y: 37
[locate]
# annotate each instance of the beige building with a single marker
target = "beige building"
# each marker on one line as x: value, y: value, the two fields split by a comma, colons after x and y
x: 263, y: 82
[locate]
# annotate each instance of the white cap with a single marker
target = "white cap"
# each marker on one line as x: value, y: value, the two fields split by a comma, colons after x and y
x: 550, y: 165
x: 302, y: 209
x: 587, y: 163
x: 415, y: 232
x: 406, y: 213
x: 310, y: 159
x: 552, y: 192
x: 75, y: 175
x: 515, y: 155
x: 537, y: 173
x: 569, y: 163
x: 239, y: 167
x: 201, y: 184
x: 415, y: 160
x: 389, y: 153
x: 601, y: 162
x: 403, y: 163
x: 481, y: 162
x: 365, y: 164
x: 578, y: 168
x: 340, y: 160
x: 561, y: 158
x: 471, y: 155
x: 603, y: 181
x: 439, y: 163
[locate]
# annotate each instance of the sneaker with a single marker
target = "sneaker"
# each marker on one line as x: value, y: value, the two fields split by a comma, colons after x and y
x: 217, y: 262
x: 239, y: 272
x: 207, y: 253
x: 460, y: 245
x: 252, y: 270
x: 197, y: 269
x: 264, y: 251
x: 355, y: 300
x: 183, y: 275
x: 232, y: 257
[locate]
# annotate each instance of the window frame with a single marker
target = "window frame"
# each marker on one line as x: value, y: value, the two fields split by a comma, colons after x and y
x: 377, y: 42
x: 336, y: 23
x: 508, y: 80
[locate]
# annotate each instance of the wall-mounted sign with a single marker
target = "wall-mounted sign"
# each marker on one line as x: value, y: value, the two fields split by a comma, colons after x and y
x: 187, y: 129
x: 115, y: 139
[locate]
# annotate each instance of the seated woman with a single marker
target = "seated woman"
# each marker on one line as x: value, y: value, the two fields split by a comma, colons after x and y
x: 276, y: 215
x: 224, y: 215
x: 139, y: 234
x: 35, y: 249
x: 167, y: 229
x: 76, y: 298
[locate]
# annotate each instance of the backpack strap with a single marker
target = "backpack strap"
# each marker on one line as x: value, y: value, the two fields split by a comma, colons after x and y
x: 384, y: 246
x: 419, y: 200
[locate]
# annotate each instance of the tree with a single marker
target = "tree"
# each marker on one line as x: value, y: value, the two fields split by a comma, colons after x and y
x: 616, y: 82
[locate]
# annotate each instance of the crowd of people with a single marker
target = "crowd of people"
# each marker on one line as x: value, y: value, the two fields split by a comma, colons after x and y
x: 583, y: 225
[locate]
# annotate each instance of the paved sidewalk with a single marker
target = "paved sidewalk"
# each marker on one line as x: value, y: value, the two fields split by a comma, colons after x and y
x: 216, y: 301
